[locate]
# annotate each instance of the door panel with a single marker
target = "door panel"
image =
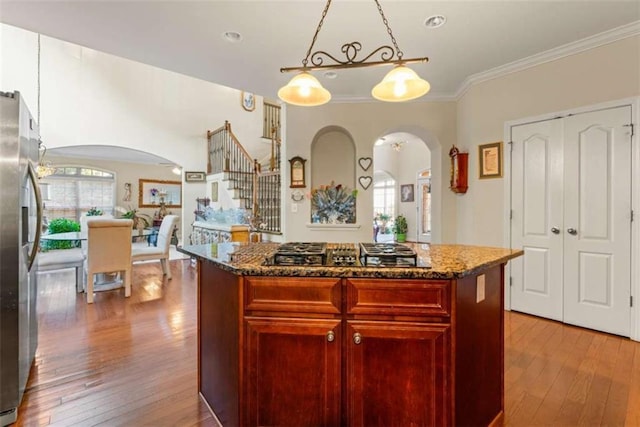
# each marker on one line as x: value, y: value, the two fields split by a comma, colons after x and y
x: 597, y: 274
x: 537, y: 208
x: 294, y: 367
x: 397, y: 374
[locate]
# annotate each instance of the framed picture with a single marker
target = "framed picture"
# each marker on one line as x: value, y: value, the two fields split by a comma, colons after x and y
x: 297, y: 172
x: 490, y: 160
x: 194, y: 176
x: 406, y: 193
x: 248, y: 101
x: 152, y: 192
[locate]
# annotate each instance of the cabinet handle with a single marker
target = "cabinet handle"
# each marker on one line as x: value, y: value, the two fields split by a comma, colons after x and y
x: 331, y: 336
x: 572, y: 231
x: 555, y: 230
x: 357, y: 338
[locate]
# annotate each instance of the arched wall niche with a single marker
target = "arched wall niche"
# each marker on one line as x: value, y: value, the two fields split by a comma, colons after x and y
x: 333, y: 158
x: 435, y: 147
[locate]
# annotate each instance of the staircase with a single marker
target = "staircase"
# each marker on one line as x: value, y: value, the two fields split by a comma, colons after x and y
x: 257, y: 191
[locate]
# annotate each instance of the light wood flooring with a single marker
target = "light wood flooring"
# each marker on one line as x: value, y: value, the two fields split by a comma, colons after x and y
x: 132, y: 361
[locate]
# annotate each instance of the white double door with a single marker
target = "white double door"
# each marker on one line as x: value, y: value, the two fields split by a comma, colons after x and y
x: 571, y: 213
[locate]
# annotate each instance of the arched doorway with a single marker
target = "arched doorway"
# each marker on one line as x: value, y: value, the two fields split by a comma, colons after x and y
x: 405, y: 156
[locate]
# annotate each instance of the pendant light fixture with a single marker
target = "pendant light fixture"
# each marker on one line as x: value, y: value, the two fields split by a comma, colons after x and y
x: 400, y: 84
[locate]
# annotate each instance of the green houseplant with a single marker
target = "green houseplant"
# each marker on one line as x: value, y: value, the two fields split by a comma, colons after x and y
x: 137, y: 217
x: 400, y: 228
x: 61, y: 225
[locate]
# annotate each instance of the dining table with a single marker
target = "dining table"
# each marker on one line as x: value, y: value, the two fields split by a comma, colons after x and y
x: 79, y: 236
x: 104, y: 281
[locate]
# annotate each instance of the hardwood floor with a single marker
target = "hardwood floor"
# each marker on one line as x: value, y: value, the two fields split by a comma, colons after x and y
x: 132, y: 361
x: 561, y: 375
x: 119, y: 361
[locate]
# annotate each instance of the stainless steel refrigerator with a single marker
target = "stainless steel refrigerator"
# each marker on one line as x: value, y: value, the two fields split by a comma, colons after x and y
x: 20, y: 225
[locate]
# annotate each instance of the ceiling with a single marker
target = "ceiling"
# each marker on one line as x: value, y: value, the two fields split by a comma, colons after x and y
x: 186, y: 36
x: 109, y: 153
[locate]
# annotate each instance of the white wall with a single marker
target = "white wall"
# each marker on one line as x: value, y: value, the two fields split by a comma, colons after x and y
x: 605, y: 73
x: 89, y: 97
x: 433, y: 122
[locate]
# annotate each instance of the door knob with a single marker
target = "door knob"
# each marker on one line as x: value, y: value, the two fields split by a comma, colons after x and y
x: 357, y: 338
x: 331, y: 336
x: 572, y: 231
x: 555, y: 230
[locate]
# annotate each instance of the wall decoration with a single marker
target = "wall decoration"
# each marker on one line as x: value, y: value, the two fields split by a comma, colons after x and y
x: 365, y: 163
x: 153, y: 192
x: 127, y: 192
x: 365, y: 182
x: 297, y: 195
x: 214, y: 191
x: 248, y: 100
x: 459, y: 169
x: 490, y: 160
x: 406, y: 193
x: 194, y: 176
x: 297, y: 172
x: 333, y: 204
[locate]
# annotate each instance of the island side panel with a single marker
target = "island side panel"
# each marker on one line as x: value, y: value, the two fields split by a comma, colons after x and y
x: 480, y: 349
x: 218, y: 341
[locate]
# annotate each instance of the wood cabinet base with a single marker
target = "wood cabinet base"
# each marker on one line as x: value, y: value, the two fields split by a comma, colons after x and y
x: 292, y: 351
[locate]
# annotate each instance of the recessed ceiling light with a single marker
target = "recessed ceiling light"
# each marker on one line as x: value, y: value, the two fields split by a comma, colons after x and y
x: 232, y: 36
x: 330, y: 74
x: 435, y: 21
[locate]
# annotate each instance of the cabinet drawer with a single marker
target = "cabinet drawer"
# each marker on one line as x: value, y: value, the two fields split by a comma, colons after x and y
x: 292, y: 294
x: 399, y: 297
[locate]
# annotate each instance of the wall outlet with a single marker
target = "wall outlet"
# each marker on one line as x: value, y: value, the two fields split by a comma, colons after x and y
x: 480, y: 288
x: 294, y: 207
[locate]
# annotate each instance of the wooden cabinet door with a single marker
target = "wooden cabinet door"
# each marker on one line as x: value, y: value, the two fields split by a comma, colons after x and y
x: 293, y: 372
x: 398, y: 374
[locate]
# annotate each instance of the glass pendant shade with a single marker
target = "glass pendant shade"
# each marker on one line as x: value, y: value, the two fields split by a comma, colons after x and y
x: 304, y: 90
x: 400, y: 84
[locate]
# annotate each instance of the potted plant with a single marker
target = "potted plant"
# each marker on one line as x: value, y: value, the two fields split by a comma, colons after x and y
x: 140, y: 220
x: 383, y: 218
x: 400, y: 228
x: 94, y: 211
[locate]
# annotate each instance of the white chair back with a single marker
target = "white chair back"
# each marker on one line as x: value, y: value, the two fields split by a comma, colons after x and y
x: 166, y: 231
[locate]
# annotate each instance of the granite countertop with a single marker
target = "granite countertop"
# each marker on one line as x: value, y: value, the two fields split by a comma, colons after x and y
x: 434, y: 261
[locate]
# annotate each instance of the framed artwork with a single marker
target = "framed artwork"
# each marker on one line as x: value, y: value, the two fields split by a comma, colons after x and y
x: 248, y: 100
x: 152, y: 192
x: 406, y: 193
x: 194, y: 176
x: 297, y: 172
x: 490, y: 160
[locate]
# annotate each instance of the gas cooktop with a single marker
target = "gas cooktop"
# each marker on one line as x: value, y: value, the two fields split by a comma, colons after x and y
x: 344, y: 255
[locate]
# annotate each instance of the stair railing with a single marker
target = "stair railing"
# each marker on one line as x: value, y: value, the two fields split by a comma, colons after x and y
x: 260, y: 191
x: 227, y: 155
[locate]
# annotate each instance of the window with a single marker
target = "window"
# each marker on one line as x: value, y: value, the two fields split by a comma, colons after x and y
x: 384, y: 194
x: 75, y: 189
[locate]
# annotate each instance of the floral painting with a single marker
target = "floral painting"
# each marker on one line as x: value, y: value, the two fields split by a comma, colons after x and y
x: 333, y: 204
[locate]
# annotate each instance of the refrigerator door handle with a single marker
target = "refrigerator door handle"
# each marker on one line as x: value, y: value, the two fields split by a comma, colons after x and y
x: 36, y: 190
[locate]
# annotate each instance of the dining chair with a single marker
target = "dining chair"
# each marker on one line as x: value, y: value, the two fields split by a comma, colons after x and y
x: 108, y: 251
x: 161, y: 250
x: 84, y: 229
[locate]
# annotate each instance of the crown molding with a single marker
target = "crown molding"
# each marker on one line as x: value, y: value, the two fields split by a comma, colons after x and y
x: 568, y: 49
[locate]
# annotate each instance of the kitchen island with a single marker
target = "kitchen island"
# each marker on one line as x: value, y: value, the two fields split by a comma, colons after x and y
x: 351, y: 345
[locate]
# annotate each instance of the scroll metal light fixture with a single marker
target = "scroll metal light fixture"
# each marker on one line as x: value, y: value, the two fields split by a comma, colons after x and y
x: 400, y: 84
